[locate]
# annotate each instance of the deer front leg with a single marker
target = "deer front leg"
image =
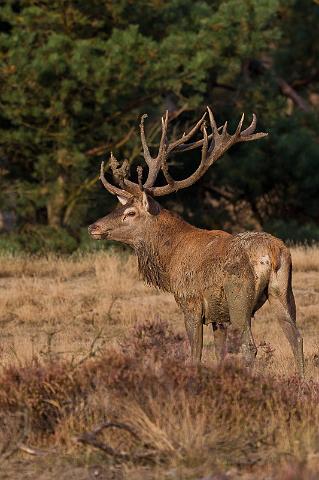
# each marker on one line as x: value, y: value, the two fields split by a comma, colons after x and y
x: 193, y: 316
x: 194, y: 329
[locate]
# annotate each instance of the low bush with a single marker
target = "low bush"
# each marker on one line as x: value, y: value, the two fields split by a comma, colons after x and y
x: 194, y: 418
x: 292, y: 231
x: 38, y: 239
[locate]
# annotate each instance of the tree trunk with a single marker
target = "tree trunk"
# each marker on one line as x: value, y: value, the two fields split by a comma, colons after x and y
x: 56, y: 203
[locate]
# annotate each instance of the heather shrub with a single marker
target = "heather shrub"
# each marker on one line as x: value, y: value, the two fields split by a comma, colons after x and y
x: 155, y: 339
x: 194, y: 417
x: 44, y: 391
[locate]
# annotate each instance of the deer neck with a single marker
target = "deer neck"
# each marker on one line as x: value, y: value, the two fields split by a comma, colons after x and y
x: 157, y: 248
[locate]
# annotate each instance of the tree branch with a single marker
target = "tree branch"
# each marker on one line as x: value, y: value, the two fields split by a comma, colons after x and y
x: 290, y: 92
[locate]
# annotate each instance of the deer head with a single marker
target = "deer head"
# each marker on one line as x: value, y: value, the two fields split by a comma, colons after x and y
x: 129, y: 221
x: 138, y: 209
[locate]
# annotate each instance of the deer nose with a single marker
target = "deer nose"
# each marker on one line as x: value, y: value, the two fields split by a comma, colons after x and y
x: 94, y: 228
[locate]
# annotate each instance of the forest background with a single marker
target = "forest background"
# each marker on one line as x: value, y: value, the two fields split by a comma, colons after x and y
x: 75, y: 77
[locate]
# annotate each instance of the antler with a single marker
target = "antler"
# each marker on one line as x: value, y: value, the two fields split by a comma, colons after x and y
x: 120, y: 173
x: 213, y: 146
x: 155, y: 164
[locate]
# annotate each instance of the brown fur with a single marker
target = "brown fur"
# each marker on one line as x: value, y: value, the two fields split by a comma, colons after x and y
x: 215, y: 277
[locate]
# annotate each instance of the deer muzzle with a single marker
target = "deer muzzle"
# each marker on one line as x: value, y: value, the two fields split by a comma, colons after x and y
x: 96, y: 232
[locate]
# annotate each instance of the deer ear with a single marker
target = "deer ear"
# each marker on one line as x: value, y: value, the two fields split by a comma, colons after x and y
x: 122, y: 200
x: 150, y: 205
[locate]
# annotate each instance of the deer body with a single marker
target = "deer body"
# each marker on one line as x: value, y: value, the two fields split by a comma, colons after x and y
x: 216, y: 278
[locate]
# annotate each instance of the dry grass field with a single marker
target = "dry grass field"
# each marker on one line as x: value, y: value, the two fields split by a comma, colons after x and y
x: 85, y: 344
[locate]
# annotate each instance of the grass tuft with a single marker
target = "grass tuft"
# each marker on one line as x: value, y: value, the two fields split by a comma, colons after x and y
x: 85, y: 344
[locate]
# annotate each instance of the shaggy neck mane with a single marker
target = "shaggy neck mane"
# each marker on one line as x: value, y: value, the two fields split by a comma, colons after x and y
x: 154, y: 252
x: 150, y: 266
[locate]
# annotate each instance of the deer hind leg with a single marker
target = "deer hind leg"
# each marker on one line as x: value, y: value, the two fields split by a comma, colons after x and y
x: 282, y: 298
x: 240, y: 298
x: 220, y: 339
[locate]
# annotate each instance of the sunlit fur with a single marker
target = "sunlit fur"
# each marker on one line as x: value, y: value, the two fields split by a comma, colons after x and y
x: 215, y: 277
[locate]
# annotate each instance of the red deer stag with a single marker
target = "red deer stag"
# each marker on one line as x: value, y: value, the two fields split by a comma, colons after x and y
x: 215, y: 277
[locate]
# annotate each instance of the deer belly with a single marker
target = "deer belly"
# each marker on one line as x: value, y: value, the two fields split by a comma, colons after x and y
x: 215, y: 309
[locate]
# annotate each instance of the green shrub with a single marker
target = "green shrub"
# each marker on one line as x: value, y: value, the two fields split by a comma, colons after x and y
x: 38, y: 239
x: 292, y: 231
x: 9, y: 244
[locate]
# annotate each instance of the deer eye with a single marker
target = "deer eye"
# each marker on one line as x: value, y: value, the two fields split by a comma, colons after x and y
x: 130, y: 213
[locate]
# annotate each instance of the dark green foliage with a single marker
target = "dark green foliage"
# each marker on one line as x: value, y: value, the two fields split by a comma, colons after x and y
x: 291, y: 229
x: 75, y: 77
x: 39, y: 239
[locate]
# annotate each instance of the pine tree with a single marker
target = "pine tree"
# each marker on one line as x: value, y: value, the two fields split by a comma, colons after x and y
x: 76, y: 76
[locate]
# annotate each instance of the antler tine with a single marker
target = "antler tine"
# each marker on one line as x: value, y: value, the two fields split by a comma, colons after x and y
x: 114, y: 164
x: 191, y: 146
x: 154, y: 164
x: 251, y: 128
x: 213, y: 146
x: 239, y: 126
x: 185, y: 137
x: 112, y: 188
x: 146, y: 152
x: 174, y: 185
x: 179, y: 145
x: 220, y: 143
x: 119, y: 172
x: 212, y: 120
x: 248, y: 134
x: 163, y: 141
x: 167, y: 175
x: 139, y: 170
x: 205, y: 146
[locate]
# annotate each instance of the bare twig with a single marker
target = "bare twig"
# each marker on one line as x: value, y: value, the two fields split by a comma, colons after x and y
x: 290, y: 92
x: 90, y: 438
x: 93, y: 350
x: 34, y: 451
x: 10, y: 447
x: 100, y: 150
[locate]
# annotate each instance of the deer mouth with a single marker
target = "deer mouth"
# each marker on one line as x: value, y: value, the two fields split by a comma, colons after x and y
x: 100, y: 236
x: 96, y: 233
x: 96, y: 236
